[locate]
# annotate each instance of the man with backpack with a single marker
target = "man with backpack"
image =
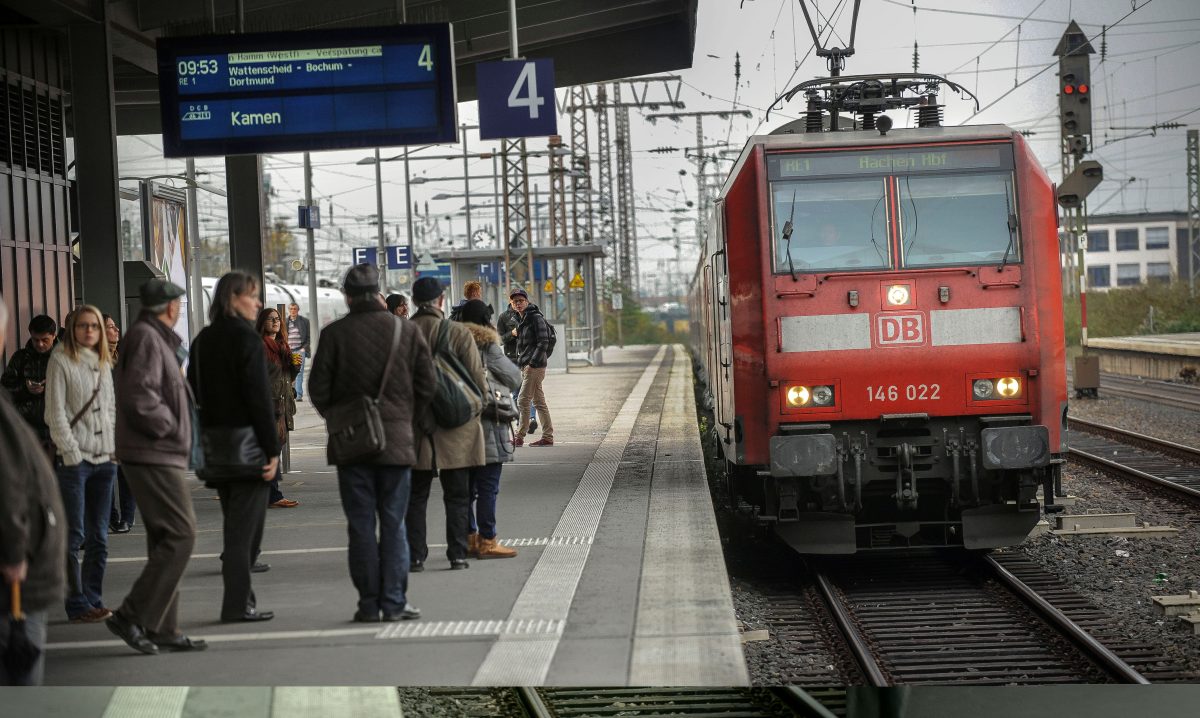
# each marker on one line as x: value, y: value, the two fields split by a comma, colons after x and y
x: 446, y: 443
x: 535, y: 344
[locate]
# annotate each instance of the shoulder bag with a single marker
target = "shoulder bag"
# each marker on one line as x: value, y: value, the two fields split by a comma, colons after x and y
x: 355, y: 427
x: 456, y: 398
x: 229, y: 453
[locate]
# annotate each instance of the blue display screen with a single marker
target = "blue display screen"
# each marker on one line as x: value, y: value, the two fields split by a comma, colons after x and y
x: 297, y: 91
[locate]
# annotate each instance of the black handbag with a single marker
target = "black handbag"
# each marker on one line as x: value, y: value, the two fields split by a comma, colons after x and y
x: 356, y: 427
x: 228, y: 453
x: 500, y: 406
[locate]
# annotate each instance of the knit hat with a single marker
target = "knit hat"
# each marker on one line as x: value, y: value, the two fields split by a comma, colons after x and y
x: 426, y: 289
x: 360, y: 279
x: 476, y: 311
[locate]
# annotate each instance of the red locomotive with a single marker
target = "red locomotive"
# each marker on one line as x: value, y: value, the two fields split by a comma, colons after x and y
x: 878, y: 318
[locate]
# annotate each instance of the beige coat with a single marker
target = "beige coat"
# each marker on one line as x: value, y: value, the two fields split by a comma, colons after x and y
x: 461, y: 447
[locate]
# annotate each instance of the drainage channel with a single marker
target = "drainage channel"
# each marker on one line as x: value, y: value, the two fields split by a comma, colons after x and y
x: 943, y: 620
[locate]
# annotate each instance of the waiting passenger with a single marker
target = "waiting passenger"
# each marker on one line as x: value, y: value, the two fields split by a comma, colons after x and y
x: 81, y: 414
x: 503, y: 378
x: 282, y: 368
x: 25, y: 377
x: 533, y: 344
x: 398, y: 304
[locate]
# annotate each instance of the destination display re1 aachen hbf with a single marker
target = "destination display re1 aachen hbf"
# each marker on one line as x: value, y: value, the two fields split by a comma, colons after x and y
x: 306, y: 91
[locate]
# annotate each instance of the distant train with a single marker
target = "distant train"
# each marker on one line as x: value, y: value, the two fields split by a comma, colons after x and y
x: 878, y: 321
x: 330, y: 302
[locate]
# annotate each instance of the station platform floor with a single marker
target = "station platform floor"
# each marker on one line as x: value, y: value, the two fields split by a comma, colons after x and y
x: 619, y: 580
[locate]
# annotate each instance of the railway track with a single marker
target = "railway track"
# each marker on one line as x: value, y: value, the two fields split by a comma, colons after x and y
x: 1181, y: 396
x: 1165, y: 464
x: 935, y: 620
x: 631, y: 702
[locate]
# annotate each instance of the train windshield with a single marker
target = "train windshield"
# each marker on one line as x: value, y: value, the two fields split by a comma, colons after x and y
x: 957, y: 220
x: 834, y: 225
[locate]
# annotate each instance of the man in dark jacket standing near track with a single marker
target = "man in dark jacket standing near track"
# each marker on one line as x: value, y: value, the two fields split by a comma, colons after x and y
x: 351, y: 363
x: 451, y: 452
x: 33, y: 533
x: 533, y: 343
x: 154, y: 442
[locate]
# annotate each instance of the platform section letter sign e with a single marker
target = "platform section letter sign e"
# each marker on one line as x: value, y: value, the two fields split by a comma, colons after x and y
x: 899, y: 329
x: 516, y: 99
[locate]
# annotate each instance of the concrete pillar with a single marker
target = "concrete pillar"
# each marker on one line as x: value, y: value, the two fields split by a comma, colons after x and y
x: 243, y: 182
x: 94, y: 109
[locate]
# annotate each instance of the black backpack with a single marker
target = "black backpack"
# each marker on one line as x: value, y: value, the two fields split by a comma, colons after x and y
x: 553, y: 338
x: 456, y: 399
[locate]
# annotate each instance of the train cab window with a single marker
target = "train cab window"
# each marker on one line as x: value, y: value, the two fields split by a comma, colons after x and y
x: 954, y: 220
x: 830, y: 225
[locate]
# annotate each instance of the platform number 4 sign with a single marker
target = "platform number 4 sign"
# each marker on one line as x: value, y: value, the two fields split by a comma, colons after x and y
x: 516, y: 99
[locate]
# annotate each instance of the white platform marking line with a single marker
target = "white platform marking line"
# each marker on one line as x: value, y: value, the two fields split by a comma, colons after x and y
x: 147, y: 702
x: 524, y: 659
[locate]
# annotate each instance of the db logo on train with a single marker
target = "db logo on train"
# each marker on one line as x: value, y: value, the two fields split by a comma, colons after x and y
x: 899, y: 329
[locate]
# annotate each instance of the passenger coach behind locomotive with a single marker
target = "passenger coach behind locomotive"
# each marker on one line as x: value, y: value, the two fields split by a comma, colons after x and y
x: 878, y: 317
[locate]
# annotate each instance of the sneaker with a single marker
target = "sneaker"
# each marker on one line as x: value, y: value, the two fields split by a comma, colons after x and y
x: 518, y: 441
x: 416, y: 567
x: 119, y: 528
x: 408, y: 613
x: 543, y: 442
x: 260, y: 567
x: 457, y: 564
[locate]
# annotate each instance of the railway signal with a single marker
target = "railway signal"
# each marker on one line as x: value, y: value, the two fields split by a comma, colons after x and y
x: 1075, y: 89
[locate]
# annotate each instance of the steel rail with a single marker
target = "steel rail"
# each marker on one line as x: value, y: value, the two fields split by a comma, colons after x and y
x: 1135, y: 473
x: 854, y: 639
x: 531, y: 701
x: 1098, y: 652
x: 801, y: 703
x: 1170, y: 448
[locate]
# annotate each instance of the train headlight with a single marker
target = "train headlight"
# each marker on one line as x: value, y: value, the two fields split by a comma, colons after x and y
x: 897, y: 295
x: 822, y: 395
x: 983, y: 388
x: 798, y: 395
x: 1008, y: 387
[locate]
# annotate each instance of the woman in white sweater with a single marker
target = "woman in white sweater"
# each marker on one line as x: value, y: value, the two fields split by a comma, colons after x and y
x: 81, y: 414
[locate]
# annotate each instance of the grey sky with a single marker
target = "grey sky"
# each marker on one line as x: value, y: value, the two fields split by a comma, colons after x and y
x: 1146, y: 78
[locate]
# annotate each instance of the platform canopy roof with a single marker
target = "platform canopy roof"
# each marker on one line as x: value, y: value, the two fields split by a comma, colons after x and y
x: 589, y: 40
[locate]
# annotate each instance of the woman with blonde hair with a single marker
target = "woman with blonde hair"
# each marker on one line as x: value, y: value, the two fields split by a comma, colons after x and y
x: 82, y: 414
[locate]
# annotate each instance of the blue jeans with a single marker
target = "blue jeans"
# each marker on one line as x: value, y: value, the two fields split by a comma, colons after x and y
x: 87, y: 499
x: 485, y: 485
x: 124, y: 506
x: 300, y: 376
x: 378, y: 567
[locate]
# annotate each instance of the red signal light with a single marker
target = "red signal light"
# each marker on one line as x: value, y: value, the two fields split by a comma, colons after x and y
x: 1069, y: 89
x: 1083, y: 89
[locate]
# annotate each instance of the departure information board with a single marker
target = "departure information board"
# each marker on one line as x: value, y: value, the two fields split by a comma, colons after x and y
x: 307, y: 91
x: 900, y: 161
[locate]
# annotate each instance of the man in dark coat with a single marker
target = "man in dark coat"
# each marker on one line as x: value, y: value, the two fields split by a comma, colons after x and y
x: 25, y: 375
x: 33, y: 532
x: 351, y: 363
x: 154, y: 443
x: 533, y: 343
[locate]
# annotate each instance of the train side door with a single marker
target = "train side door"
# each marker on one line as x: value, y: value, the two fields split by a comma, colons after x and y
x: 723, y: 364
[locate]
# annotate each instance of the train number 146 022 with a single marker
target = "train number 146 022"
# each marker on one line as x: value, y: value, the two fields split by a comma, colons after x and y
x: 911, y: 392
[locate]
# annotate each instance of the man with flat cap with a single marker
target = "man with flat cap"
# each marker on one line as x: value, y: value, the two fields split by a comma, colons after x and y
x: 450, y: 452
x: 153, y: 444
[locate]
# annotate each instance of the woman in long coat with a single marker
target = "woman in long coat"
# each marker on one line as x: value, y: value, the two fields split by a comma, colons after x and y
x: 281, y: 373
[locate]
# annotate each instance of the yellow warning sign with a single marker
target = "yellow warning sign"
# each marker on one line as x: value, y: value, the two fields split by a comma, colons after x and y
x: 577, y: 281
x: 548, y: 287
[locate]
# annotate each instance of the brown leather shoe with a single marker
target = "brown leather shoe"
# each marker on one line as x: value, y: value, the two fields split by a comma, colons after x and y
x: 543, y: 442
x: 491, y: 548
x: 473, y: 545
x: 94, y: 615
x: 285, y: 504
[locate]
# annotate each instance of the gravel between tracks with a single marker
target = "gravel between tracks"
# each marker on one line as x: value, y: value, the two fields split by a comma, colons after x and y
x: 1123, y: 584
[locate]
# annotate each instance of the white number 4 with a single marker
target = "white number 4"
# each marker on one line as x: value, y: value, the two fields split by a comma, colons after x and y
x: 426, y: 59
x: 528, y: 78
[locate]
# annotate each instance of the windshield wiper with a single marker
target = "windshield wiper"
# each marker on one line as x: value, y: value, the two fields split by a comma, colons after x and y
x: 787, y: 237
x: 1012, y: 229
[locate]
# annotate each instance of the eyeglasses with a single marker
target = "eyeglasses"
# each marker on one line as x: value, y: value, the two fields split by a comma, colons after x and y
x: 520, y: 301
x: 88, y: 327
